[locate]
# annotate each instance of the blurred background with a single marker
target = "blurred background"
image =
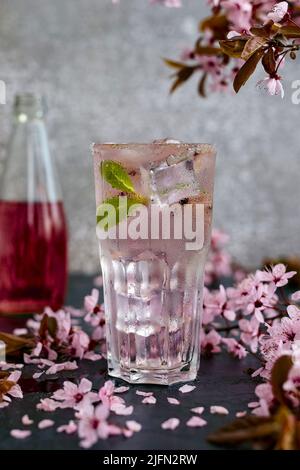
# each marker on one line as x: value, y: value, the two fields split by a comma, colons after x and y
x: 100, y: 67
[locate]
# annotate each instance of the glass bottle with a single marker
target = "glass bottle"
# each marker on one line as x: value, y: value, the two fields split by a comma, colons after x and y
x: 33, y: 234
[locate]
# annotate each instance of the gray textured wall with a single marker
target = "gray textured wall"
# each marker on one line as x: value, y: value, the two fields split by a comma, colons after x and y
x: 100, y: 67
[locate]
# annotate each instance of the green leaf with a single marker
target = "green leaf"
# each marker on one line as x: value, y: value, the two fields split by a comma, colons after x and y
x: 279, y: 376
x: 114, y: 174
x: 121, y: 206
x: 247, y: 70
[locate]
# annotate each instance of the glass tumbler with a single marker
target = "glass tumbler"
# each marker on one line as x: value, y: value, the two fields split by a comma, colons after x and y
x: 154, y: 213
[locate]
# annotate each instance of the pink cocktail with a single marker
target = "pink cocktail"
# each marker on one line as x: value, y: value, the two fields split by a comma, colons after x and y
x: 154, y: 211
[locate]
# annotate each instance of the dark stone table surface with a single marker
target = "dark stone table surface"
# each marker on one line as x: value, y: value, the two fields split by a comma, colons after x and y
x: 222, y: 380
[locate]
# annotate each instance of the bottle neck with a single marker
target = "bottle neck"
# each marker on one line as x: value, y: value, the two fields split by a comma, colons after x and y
x: 28, y: 107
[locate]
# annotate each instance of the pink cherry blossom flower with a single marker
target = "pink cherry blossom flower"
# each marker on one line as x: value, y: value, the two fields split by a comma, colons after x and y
x: 210, y: 342
x: 278, y: 12
x: 223, y: 304
x: 91, y: 301
x: 121, y: 409
x: 106, y: 395
x: 235, y: 348
x: 69, y: 428
x: 20, y: 433
x: 276, y: 274
x: 196, y: 422
x: 262, y: 298
x: 272, y: 85
x: 80, y: 343
x: 133, y: 426
x: 210, y: 64
x: 74, y: 396
x: 239, y: 13
x: 171, y: 424
x: 93, y: 425
x: 250, y: 332
x: 187, y: 388
x: 45, y: 423
x: 220, y: 410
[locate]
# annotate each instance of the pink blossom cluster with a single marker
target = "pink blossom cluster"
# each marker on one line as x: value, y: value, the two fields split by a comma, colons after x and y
x: 219, y: 263
x: 57, y: 335
x: 248, y: 27
x: 238, y: 317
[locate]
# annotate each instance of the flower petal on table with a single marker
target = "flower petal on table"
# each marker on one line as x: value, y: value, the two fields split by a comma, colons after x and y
x: 187, y: 388
x: 196, y: 422
x: 171, y: 423
x: 218, y: 410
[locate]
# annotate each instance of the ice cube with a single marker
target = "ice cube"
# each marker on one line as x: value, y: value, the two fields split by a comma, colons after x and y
x: 173, y: 180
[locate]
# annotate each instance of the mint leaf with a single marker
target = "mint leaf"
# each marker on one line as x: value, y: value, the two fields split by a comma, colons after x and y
x: 116, y: 176
x: 108, y: 219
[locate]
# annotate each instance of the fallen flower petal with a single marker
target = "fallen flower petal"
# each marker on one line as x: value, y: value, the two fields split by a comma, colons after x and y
x: 133, y: 426
x: 7, y: 366
x: 20, y: 433
x: 171, y: 423
x: 26, y: 420
x: 37, y: 375
x: 196, y: 422
x: 92, y: 356
x: 69, y: 428
x: 122, y: 389
x: 121, y: 409
x: 45, y: 423
x: 149, y: 400
x: 144, y: 394
x: 187, y: 388
x: 173, y: 401
x: 199, y: 410
x: 240, y: 414
x: 220, y: 410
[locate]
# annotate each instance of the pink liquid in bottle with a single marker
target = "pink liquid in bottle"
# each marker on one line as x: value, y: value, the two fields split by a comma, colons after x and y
x: 33, y: 256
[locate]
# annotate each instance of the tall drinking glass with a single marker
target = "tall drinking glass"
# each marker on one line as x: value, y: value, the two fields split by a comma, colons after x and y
x: 154, y: 212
